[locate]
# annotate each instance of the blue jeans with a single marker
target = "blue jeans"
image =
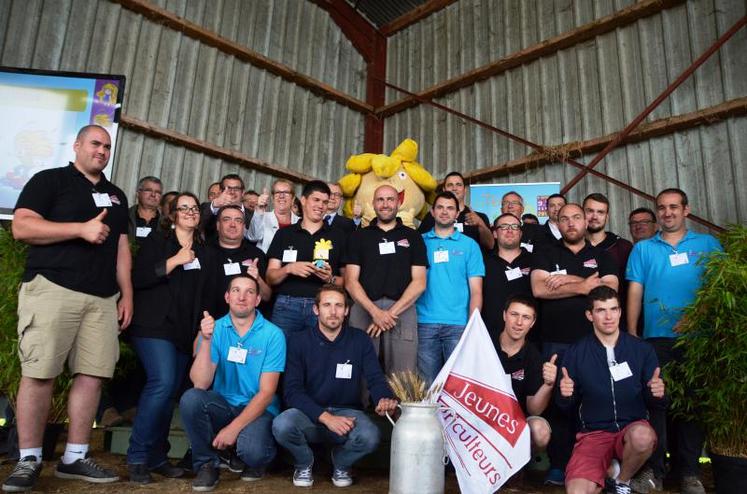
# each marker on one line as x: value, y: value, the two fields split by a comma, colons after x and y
x: 435, y: 344
x: 293, y: 430
x: 165, y: 368
x: 205, y: 413
x: 293, y: 314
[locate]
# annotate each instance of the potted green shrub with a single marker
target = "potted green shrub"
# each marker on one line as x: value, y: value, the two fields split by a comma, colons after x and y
x: 710, y: 382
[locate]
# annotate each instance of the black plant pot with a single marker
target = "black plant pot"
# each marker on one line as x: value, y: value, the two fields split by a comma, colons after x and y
x: 729, y: 473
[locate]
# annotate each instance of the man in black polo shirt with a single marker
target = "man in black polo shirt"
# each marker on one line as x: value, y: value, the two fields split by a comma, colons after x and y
x: 302, y: 258
x: 532, y: 379
x: 507, y: 269
x: 235, y: 255
x: 385, y: 272
x: 76, y: 287
x: 144, y: 216
x: 562, y: 276
x: 471, y: 223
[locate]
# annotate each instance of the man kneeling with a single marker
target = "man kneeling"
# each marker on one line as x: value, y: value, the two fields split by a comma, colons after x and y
x: 610, y: 376
x: 323, y: 383
x: 241, y: 355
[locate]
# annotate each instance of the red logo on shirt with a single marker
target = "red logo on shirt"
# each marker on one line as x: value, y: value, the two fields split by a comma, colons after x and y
x: 403, y: 243
x: 591, y: 264
x: 115, y: 200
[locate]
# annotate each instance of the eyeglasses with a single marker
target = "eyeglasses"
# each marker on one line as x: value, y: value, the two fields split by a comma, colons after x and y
x: 641, y: 223
x: 509, y: 226
x: 148, y: 190
x: 335, y: 194
x: 232, y: 188
x: 282, y: 193
x: 511, y: 203
x: 188, y: 209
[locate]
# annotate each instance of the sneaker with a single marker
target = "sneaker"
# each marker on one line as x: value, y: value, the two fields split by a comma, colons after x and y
x: 186, y: 462
x: 555, y: 476
x: 645, y: 482
x: 228, y: 459
x: 24, y: 475
x: 691, y: 485
x: 207, y: 478
x: 166, y: 469
x: 342, y: 478
x: 252, y: 474
x: 621, y: 488
x: 303, y: 477
x: 139, y: 473
x: 85, y: 469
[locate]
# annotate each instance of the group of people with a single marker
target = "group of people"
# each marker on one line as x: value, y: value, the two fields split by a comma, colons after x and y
x: 245, y: 304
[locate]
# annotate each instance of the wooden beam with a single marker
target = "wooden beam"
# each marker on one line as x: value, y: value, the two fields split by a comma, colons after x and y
x: 415, y: 15
x: 205, y: 147
x: 545, y: 48
x: 173, y: 21
x: 665, y: 126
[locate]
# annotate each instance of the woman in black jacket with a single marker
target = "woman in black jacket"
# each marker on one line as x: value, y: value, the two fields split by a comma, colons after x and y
x: 173, y: 278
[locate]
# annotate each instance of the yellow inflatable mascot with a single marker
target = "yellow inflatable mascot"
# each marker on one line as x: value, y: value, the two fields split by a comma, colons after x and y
x: 368, y: 171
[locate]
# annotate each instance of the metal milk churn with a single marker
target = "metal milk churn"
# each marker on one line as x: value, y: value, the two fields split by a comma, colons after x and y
x: 417, y: 452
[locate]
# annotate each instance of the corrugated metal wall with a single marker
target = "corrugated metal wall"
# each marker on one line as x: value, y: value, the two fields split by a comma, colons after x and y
x: 175, y: 82
x: 590, y: 90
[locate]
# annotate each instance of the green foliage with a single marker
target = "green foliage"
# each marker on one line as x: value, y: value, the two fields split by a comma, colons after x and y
x: 710, y: 382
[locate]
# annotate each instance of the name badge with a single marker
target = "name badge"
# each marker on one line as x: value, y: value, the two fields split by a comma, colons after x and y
x: 231, y: 268
x: 101, y: 200
x: 678, y: 259
x: 142, y: 231
x: 344, y: 371
x: 192, y: 265
x: 440, y: 256
x: 513, y: 274
x: 620, y: 371
x: 559, y: 271
x: 386, y: 248
x: 527, y: 247
x: 237, y: 355
x: 290, y: 255
x: 459, y: 227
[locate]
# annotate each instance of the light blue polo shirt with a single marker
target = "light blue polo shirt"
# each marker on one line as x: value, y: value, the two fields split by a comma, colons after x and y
x: 446, y: 296
x: 668, y: 289
x: 265, y: 345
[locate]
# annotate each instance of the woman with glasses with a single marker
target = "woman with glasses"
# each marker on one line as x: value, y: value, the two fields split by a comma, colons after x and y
x: 173, y: 278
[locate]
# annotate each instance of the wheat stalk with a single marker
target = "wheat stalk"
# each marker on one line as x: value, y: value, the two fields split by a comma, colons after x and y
x: 409, y: 387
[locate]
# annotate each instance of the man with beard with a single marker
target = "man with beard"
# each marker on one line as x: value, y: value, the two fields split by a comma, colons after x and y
x: 596, y: 211
x: 385, y: 269
x: 469, y: 222
x: 326, y: 369
x: 261, y: 230
x: 507, y: 269
x: 235, y: 373
x: 562, y: 277
x: 144, y: 215
x: 333, y: 218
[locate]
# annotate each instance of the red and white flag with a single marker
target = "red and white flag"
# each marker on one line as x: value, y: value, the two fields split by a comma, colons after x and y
x: 487, y: 435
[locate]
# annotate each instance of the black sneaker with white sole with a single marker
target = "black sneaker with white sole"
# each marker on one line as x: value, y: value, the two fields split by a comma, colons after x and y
x: 87, y: 470
x: 24, y: 475
x: 228, y: 459
x: 206, y: 479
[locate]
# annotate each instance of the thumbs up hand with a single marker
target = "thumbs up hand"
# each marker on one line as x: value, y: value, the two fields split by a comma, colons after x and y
x: 550, y: 371
x: 566, y: 384
x: 207, y: 325
x: 253, y: 270
x: 656, y: 384
x: 95, y: 230
x: 263, y: 199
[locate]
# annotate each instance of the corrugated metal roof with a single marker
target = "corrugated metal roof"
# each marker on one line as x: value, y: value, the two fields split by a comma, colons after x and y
x: 381, y: 12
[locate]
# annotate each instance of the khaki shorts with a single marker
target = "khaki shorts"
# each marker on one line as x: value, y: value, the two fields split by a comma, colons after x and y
x: 56, y: 324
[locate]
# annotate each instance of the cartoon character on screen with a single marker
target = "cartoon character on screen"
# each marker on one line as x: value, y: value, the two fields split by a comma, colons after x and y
x: 107, y: 94
x: 414, y: 184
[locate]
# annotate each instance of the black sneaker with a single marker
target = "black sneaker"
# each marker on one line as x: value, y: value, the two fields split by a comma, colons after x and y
x: 166, y: 469
x: 207, y: 478
x: 186, y: 462
x: 252, y: 474
x: 139, y: 473
x: 85, y: 469
x: 228, y: 459
x: 24, y: 475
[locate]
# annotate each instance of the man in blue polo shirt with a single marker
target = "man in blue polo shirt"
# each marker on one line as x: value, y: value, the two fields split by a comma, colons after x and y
x: 664, y: 275
x: 241, y: 357
x: 453, y: 288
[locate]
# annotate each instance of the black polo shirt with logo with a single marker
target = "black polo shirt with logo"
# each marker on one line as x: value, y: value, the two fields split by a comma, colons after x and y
x: 525, y: 369
x: 496, y: 286
x: 386, y: 274
x: 471, y: 231
x: 226, y: 260
x: 295, y: 238
x: 65, y: 195
x: 564, y: 320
